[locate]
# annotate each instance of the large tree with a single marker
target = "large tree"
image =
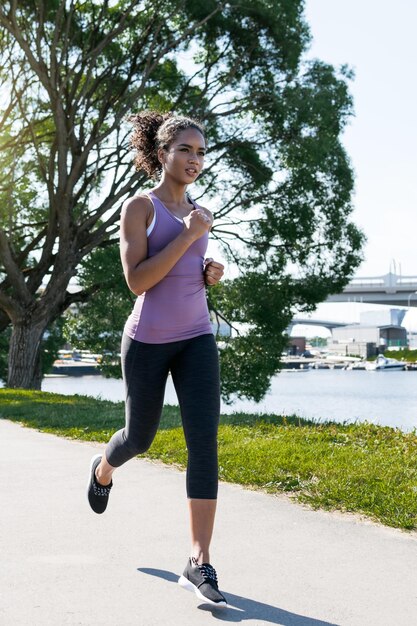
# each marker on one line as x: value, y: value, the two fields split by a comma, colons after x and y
x: 277, y: 169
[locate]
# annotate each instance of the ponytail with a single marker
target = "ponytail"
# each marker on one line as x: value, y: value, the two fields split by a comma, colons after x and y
x: 153, y: 130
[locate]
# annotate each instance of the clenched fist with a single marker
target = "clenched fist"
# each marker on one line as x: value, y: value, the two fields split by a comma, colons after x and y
x: 213, y: 271
x: 197, y: 223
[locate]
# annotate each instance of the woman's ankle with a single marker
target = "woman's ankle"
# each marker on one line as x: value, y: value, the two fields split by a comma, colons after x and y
x: 104, y: 479
x: 200, y: 556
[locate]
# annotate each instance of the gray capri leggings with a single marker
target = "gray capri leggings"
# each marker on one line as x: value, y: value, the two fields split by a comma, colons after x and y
x: 194, y: 367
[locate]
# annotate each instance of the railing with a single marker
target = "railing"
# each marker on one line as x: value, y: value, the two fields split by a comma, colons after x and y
x: 366, y: 282
x: 389, y: 280
x: 407, y: 281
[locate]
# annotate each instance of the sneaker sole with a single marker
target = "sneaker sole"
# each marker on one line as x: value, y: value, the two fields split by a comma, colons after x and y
x: 188, y: 585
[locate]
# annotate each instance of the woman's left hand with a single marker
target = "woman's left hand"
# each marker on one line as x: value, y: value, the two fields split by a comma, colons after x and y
x: 213, y: 271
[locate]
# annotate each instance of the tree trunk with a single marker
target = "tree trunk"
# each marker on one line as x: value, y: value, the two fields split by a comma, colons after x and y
x: 24, y: 355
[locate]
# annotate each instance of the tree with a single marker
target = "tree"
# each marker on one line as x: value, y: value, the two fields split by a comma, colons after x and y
x: 75, y: 69
x: 97, y: 325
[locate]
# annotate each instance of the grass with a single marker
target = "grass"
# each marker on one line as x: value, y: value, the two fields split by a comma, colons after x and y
x: 358, y: 467
x: 404, y: 354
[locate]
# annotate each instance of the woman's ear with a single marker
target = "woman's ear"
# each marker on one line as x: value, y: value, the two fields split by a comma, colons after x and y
x: 161, y: 156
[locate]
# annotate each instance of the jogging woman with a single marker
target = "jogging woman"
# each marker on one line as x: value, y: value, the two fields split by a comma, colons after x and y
x: 163, y: 241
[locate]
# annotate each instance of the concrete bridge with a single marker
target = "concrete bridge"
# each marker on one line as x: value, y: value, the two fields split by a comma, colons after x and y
x: 391, y: 289
x: 312, y: 322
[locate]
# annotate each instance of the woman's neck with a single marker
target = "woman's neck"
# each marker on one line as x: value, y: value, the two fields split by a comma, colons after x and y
x: 170, y: 191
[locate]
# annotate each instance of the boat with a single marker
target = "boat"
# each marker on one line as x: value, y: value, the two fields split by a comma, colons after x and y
x: 385, y: 363
x: 361, y: 365
x: 295, y: 363
x: 76, y: 363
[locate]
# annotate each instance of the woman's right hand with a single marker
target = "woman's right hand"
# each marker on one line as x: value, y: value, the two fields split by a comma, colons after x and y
x: 196, y: 223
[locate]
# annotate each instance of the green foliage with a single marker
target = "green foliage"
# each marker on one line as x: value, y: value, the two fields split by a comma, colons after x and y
x: 358, y: 467
x: 318, y: 342
x: 402, y: 355
x: 52, y: 341
x: 97, y: 325
x: 276, y: 168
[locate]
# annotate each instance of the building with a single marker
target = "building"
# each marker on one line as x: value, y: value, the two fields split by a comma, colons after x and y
x: 376, y: 331
x: 296, y: 345
x: 412, y: 340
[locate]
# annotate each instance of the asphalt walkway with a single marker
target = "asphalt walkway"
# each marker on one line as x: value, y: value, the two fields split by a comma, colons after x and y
x: 278, y: 562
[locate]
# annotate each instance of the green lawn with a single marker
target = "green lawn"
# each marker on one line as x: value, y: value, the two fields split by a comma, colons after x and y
x: 360, y: 468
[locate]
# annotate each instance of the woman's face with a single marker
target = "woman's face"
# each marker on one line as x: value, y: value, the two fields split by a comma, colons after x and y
x: 184, y: 159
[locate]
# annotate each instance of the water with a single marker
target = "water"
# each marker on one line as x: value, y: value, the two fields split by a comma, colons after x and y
x: 385, y: 398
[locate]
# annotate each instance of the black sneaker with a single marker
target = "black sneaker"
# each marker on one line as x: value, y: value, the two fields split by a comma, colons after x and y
x: 202, y: 579
x: 98, y: 495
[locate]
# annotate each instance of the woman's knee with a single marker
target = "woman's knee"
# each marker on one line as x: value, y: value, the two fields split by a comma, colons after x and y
x: 138, y: 446
x: 203, y: 441
x: 123, y: 447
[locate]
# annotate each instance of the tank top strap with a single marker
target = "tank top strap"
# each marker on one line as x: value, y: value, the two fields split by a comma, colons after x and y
x: 193, y: 202
x: 154, y: 198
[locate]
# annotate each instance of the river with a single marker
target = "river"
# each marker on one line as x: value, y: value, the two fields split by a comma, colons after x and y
x: 385, y: 398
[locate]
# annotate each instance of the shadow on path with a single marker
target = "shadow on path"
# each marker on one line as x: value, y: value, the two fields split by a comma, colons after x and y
x: 241, y: 609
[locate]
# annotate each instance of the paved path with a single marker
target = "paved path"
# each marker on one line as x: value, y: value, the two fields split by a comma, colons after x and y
x: 278, y: 562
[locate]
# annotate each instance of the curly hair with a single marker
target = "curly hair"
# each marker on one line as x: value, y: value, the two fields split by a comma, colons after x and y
x: 153, y: 130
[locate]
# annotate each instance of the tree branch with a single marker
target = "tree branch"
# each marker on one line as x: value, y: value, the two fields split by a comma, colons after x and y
x: 12, y: 270
x: 10, y: 306
x: 218, y: 314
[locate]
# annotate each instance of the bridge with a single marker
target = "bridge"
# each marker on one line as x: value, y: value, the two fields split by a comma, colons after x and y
x: 391, y: 289
x: 312, y: 322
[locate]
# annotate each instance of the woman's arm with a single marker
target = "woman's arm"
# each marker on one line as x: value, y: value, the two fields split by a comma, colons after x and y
x: 141, y: 273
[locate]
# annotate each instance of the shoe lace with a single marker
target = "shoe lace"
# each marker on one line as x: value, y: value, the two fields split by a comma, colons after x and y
x: 208, y: 572
x: 100, y: 490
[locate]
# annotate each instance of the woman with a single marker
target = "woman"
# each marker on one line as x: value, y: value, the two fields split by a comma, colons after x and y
x: 164, y: 236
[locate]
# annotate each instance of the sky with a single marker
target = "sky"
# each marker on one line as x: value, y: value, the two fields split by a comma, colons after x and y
x: 377, y: 39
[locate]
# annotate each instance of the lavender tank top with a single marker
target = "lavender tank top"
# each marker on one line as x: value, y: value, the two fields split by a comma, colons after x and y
x: 176, y: 307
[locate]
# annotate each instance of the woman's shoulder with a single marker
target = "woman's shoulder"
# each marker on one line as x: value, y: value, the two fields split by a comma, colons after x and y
x: 137, y: 207
x: 137, y: 202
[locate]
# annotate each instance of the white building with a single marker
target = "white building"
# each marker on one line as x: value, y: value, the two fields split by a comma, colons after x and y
x: 376, y: 331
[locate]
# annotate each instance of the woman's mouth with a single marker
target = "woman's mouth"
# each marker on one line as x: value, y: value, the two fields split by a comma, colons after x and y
x: 191, y: 171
